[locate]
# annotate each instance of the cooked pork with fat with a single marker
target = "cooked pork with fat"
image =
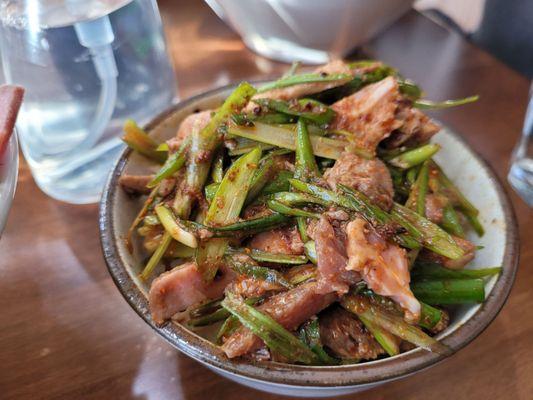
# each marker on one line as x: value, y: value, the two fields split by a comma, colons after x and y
x: 370, y: 177
x: 345, y: 335
x: 332, y: 275
x: 383, y: 266
x: 306, y: 89
x: 182, y: 287
x: 281, y: 240
x: 434, y: 208
x: 135, y: 184
x: 369, y: 114
x: 468, y: 247
x: 414, y: 128
x: 194, y: 121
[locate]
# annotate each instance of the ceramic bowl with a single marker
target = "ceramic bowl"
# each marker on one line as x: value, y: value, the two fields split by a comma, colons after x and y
x: 468, y: 171
x: 9, y: 164
x: 285, y: 31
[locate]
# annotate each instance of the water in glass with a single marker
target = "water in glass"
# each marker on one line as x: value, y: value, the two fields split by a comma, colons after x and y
x: 87, y: 65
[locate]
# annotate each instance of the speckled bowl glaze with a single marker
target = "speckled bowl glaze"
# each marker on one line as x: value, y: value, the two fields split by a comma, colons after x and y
x: 9, y: 165
x: 468, y: 170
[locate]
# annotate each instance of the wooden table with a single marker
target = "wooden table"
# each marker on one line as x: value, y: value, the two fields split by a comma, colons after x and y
x: 66, y: 332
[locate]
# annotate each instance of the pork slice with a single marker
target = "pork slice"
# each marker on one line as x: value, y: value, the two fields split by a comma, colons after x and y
x: 369, y: 114
x: 370, y: 177
x: 369, y: 67
x: 332, y: 275
x: 167, y: 185
x: 290, y: 309
x: 468, y: 247
x: 194, y: 121
x: 305, y: 89
x: 384, y: 266
x: 252, y: 287
x: 135, y: 184
x: 334, y: 214
x: 182, y: 287
x: 344, y: 334
x: 434, y: 208
x: 280, y: 240
x: 10, y: 100
x: 415, y: 128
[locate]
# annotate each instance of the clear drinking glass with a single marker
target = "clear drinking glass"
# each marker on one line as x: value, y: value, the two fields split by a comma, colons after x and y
x: 521, y: 173
x: 86, y: 65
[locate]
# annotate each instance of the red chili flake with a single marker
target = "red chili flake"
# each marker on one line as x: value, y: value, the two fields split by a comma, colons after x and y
x: 232, y: 175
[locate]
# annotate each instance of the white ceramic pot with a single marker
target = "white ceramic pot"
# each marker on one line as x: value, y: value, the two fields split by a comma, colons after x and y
x: 307, y: 30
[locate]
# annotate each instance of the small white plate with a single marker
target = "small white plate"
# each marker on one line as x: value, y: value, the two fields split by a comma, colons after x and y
x: 9, y: 165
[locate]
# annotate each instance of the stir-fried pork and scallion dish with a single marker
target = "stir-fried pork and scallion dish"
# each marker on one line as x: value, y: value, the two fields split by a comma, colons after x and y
x: 305, y: 220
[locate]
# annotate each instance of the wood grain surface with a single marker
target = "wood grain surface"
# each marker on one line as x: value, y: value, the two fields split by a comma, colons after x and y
x: 66, y: 332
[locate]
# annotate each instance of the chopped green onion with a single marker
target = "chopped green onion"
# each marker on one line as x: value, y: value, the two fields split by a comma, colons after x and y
x: 156, y: 256
x: 338, y: 79
x: 301, y: 224
x: 305, y: 166
x: 424, y: 270
x: 430, y: 316
x: 392, y: 323
x: 296, y: 212
x: 310, y: 251
x: 286, y: 138
x: 172, y: 164
x: 255, y: 271
x: 431, y: 236
x: 148, y: 202
x: 300, y: 274
x: 435, y: 105
x: 310, y: 334
x: 141, y: 142
x: 264, y: 256
x: 230, y: 325
x: 414, y: 157
x: 387, y: 340
x: 293, y: 69
x: 410, y: 89
x: 210, y: 191
x: 451, y: 222
x: 224, y: 209
x: 168, y: 221
x: 320, y: 114
x: 261, y: 223
x: 279, y: 184
x: 260, y: 179
x: 450, y: 291
x: 296, y: 198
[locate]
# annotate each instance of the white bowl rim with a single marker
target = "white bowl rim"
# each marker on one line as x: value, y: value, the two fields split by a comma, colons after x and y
x: 8, y: 178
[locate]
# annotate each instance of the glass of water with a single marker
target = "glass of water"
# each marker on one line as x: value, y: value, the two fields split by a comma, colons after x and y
x: 521, y: 173
x: 86, y: 65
